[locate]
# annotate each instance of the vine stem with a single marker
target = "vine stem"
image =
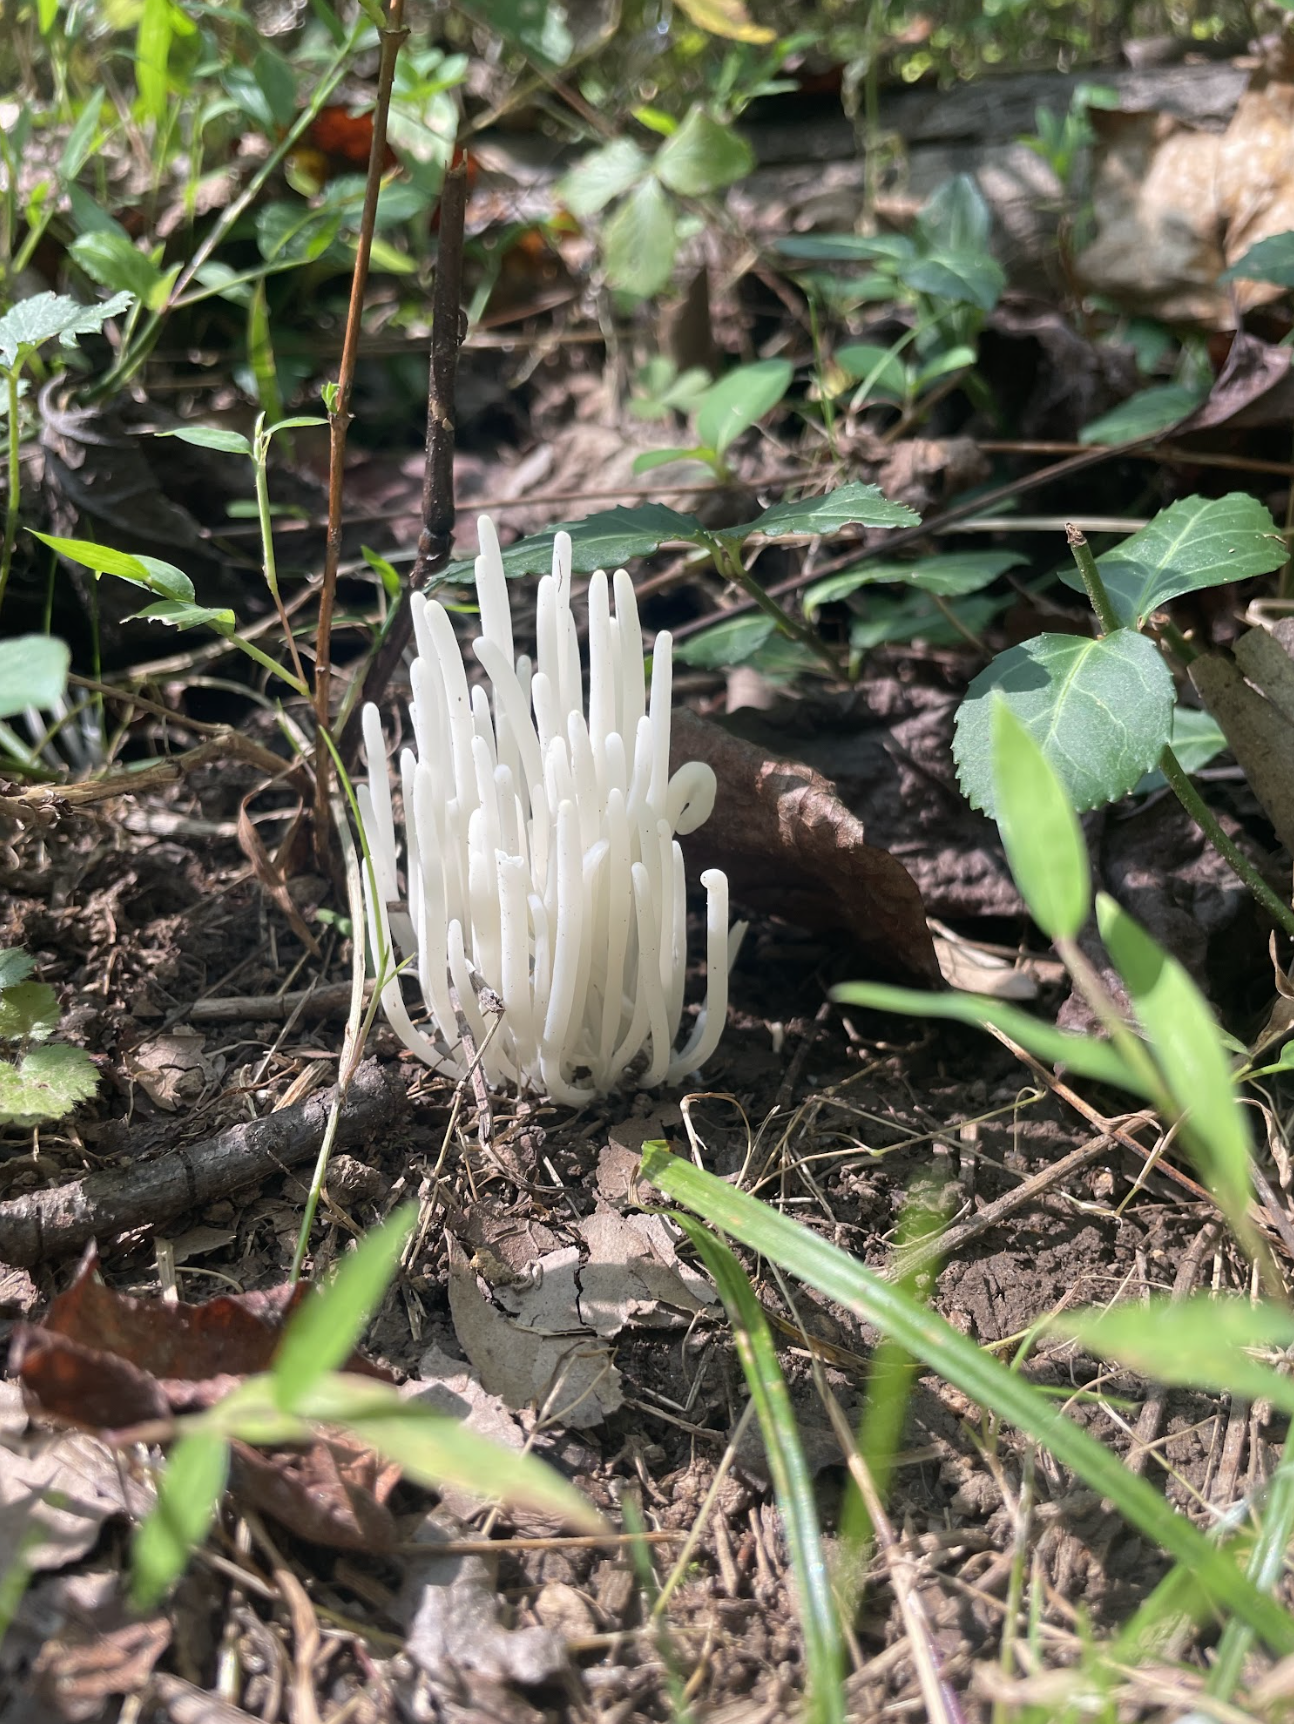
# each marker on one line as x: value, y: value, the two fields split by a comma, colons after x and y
x: 1178, y: 779
x: 393, y: 38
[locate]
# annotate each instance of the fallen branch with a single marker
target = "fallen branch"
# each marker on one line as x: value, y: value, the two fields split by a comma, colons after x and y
x: 60, y: 1221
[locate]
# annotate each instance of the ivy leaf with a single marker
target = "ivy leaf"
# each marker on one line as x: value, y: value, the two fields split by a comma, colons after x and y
x: 604, y: 541
x: 703, y: 156
x: 855, y: 504
x: 45, y: 1084
x: 951, y: 576
x: 601, y: 176
x: 740, y: 400
x: 46, y: 315
x: 1199, y: 542
x: 33, y: 672
x: 28, y: 1012
x: 1144, y: 414
x: 1100, y: 710
x: 639, y: 242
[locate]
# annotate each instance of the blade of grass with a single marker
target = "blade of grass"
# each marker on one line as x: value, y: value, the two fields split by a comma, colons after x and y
x: 977, y: 1374
x: 792, y: 1483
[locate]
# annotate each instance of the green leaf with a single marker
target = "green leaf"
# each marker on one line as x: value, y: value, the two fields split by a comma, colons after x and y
x: 1100, y: 710
x: 792, y: 1480
x: 639, y: 242
x: 726, y: 644
x: 33, y: 672
x: 887, y: 621
x: 1200, y: 1342
x: 1040, y: 831
x: 152, y: 54
x: 740, y: 400
x: 726, y: 18
x: 45, y: 1084
x: 845, y: 247
x: 654, y: 458
x: 1187, y: 1044
x: 28, y: 1011
x: 879, y: 367
x: 295, y: 233
x: 703, y: 156
x: 211, y: 437
x: 46, y: 315
x: 855, y: 504
x: 1199, y: 542
x: 961, y: 278
x: 1086, y: 1055
x: 182, y: 614
x: 539, y: 27
x: 951, y: 576
x: 300, y: 423
x: 607, y: 540
x: 601, y: 176
x: 1146, y: 414
x: 976, y: 1373
x: 1271, y: 259
x: 80, y: 140
x: 150, y: 572
x: 325, y: 1328
x: 114, y: 261
x: 188, y: 1496
x: 956, y: 217
x: 15, y: 966
x: 386, y: 571
x: 1196, y: 740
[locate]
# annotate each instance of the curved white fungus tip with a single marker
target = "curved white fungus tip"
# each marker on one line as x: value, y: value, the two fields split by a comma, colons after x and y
x: 541, y: 862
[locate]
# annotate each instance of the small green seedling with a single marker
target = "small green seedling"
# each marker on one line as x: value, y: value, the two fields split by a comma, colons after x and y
x: 40, y: 1079
x: 726, y: 409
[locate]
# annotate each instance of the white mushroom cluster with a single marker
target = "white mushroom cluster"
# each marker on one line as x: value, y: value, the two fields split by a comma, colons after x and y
x: 542, y: 872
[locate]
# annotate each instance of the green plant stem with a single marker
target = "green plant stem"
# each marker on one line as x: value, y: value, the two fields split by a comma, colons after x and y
x: 1096, y: 593
x: 261, y: 446
x: 295, y: 683
x: 728, y: 561
x: 1180, y: 783
x: 1266, y: 1564
x: 15, y: 483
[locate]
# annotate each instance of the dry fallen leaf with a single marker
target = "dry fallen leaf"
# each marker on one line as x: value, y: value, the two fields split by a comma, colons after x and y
x: 172, y: 1070
x: 791, y: 848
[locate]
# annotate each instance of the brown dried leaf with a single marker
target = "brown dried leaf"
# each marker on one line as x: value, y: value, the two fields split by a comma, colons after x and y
x: 270, y: 875
x: 333, y: 1493
x: 1254, y: 387
x: 791, y: 848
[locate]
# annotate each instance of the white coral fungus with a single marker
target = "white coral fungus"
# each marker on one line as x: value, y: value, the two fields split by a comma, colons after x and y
x: 541, y: 861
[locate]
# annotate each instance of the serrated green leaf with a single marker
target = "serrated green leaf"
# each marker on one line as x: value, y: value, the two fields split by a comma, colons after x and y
x: 15, y: 966
x: 703, y: 156
x: 855, y: 504
x: 726, y: 644
x: 34, y: 321
x: 115, y: 262
x: 33, y: 672
x: 1186, y: 1041
x: 1040, y: 832
x: 601, y: 176
x: 740, y: 400
x: 187, y: 1499
x: 326, y: 1327
x: 151, y: 573
x: 1100, y: 710
x: 1204, y: 1341
x: 1271, y: 259
x: 1146, y: 414
x: 640, y: 241
x: 607, y: 540
x: 45, y: 1084
x: 951, y: 576
x: 28, y: 1011
x: 1199, y: 542
x: 211, y: 437
x: 183, y: 614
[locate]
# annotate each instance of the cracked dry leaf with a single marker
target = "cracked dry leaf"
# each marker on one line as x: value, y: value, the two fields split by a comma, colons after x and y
x: 548, y: 1358
x: 633, y: 1275
x: 172, y: 1070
